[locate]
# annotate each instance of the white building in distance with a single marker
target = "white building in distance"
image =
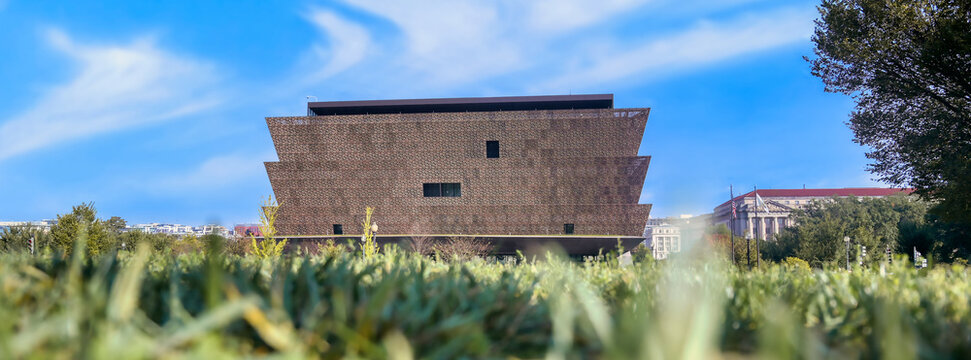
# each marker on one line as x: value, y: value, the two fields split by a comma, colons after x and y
x: 181, y: 230
x: 662, y: 236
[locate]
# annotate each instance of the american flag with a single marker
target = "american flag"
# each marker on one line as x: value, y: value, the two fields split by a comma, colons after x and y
x: 734, y: 215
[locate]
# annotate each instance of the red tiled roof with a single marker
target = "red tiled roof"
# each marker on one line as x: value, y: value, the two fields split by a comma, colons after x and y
x: 766, y: 193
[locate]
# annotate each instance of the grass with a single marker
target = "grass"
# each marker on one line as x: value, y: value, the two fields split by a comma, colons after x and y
x: 400, y: 306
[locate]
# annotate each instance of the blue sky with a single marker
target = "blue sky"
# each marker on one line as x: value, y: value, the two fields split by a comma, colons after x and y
x: 155, y: 110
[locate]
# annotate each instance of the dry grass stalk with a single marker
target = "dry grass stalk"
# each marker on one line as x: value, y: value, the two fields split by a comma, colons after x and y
x: 462, y: 247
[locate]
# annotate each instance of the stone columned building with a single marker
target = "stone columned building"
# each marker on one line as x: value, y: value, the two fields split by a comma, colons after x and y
x: 781, y: 203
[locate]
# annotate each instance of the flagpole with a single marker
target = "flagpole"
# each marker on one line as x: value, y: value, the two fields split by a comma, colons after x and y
x: 748, y: 239
x: 758, y: 253
x: 731, y: 194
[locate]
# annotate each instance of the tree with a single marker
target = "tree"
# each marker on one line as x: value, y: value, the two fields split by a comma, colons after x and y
x: 269, y: 247
x: 719, y: 237
x: 17, y: 238
x: 159, y: 243
x: 641, y: 253
x: 82, y: 220
x: 369, y: 246
x: 908, y: 66
x: 116, y: 224
x: 820, y: 228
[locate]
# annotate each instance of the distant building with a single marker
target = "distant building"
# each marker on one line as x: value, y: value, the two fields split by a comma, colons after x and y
x: 665, y: 236
x: 781, y: 203
x: 180, y: 230
x: 44, y: 225
x: 247, y: 230
x: 212, y: 229
x: 662, y: 236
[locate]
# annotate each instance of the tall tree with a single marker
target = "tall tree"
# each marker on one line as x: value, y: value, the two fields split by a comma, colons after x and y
x: 908, y: 66
x: 116, y: 224
x: 82, y: 221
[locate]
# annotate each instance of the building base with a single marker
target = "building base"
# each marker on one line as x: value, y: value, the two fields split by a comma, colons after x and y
x: 501, y: 245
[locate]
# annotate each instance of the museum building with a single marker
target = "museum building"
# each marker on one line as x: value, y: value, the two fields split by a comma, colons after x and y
x: 515, y: 171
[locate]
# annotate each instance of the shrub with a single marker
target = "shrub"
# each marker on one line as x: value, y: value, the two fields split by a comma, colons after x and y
x: 641, y: 253
x: 796, y: 263
x: 461, y: 247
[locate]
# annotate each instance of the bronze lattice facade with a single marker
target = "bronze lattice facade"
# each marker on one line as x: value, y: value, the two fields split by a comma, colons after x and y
x: 479, y: 166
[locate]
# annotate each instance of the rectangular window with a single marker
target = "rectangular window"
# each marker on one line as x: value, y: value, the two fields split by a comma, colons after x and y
x: 567, y: 228
x: 492, y: 149
x: 432, y: 189
x: 338, y: 229
x: 451, y: 189
x: 442, y: 189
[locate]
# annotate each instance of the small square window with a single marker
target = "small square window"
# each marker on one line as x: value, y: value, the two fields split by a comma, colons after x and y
x: 338, y: 229
x: 492, y: 149
x: 567, y: 228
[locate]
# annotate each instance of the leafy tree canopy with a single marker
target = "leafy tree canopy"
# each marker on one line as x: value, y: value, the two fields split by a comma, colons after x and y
x: 821, y: 227
x: 83, y: 223
x: 908, y: 66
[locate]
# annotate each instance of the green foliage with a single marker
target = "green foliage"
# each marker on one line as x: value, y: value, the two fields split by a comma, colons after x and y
x: 820, y: 228
x: 641, y: 253
x: 83, y: 220
x: 906, y: 65
x: 330, y: 249
x: 368, y: 246
x: 269, y: 247
x: 139, y: 304
x: 116, y: 224
x: 15, y: 239
x: 719, y: 238
x: 796, y: 263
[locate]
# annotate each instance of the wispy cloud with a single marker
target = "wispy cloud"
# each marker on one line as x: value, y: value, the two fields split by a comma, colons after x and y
x: 557, y: 16
x: 540, y: 46
x: 448, y: 42
x: 347, y: 44
x: 214, y: 174
x: 706, y: 43
x: 117, y: 87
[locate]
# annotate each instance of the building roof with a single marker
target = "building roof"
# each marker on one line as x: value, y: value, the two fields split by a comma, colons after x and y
x: 506, y: 103
x: 863, y: 192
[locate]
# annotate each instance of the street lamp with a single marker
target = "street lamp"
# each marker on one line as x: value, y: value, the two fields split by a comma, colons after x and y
x: 846, y: 239
x: 748, y: 250
x: 374, y: 233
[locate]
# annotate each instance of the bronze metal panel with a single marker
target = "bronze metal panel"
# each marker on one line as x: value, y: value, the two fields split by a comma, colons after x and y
x: 556, y: 167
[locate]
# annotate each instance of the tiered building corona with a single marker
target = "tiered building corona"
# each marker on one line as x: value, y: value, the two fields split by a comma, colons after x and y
x: 515, y: 171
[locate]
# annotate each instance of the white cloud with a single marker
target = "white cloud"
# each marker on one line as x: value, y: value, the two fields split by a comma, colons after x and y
x: 560, y: 15
x: 447, y: 41
x: 117, y: 87
x: 348, y: 44
x: 540, y: 46
x: 705, y: 44
x: 213, y: 174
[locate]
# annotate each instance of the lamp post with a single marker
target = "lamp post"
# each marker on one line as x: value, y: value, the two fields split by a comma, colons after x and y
x: 846, y: 239
x: 748, y: 250
x: 758, y: 251
x: 374, y: 233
